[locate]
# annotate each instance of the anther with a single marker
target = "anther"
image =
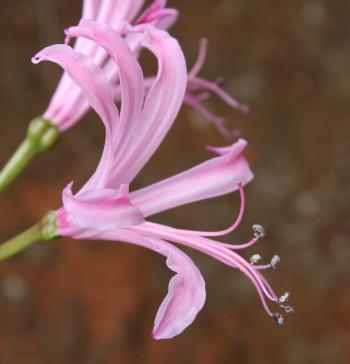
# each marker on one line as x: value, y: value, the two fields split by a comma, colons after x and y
x: 258, y: 231
x: 275, y: 260
x: 288, y: 309
x: 284, y: 298
x: 255, y: 259
x: 279, y: 319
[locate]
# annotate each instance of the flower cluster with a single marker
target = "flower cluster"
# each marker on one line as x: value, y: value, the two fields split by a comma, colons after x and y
x: 102, y: 71
x: 104, y: 208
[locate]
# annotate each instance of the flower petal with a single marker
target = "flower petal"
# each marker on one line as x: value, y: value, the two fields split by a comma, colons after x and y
x: 103, y: 209
x: 185, y: 298
x: 98, y: 91
x: 130, y: 75
x: 215, y: 177
x: 186, y: 293
x: 90, y: 8
x: 161, y: 105
x: 87, y: 76
x: 114, y: 12
x: 68, y: 104
x: 158, y: 15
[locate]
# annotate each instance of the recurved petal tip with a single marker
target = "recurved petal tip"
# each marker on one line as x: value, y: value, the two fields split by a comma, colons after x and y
x: 36, y: 59
x: 185, y: 298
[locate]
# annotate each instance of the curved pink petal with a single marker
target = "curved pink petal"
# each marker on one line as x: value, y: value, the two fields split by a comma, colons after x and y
x: 87, y: 76
x: 161, y: 105
x: 90, y: 8
x: 215, y: 177
x: 158, y: 15
x: 62, y: 109
x: 104, y: 209
x: 112, y: 13
x: 98, y: 91
x: 185, y: 298
x: 130, y: 76
x: 186, y: 292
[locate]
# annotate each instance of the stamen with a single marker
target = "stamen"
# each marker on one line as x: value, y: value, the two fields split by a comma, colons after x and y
x: 263, y: 266
x: 203, y: 96
x: 287, y: 309
x: 259, y: 231
x: 236, y: 261
x: 202, y: 55
x: 275, y: 260
x: 203, y: 84
x: 240, y: 246
x: 279, y: 319
x: 229, y: 229
x: 255, y: 259
x: 219, y: 122
x: 216, y: 250
x: 284, y: 298
x: 268, y: 287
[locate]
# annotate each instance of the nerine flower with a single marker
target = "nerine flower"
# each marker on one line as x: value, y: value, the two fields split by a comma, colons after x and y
x: 105, y: 209
x: 68, y: 103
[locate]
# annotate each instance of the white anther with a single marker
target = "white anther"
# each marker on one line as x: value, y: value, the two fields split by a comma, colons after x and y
x: 279, y: 319
x: 288, y: 309
x: 255, y: 259
x: 275, y: 260
x: 284, y: 298
x: 258, y: 231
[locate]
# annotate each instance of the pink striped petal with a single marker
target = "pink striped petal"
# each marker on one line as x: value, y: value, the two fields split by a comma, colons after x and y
x: 185, y: 298
x: 104, y: 209
x: 215, y: 177
x: 161, y: 105
x: 90, y: 8
x: 67, y: 99
x: 158, y: 15
x: 186, y: 292
x: 97, y: 89
x: 130, y: 75
x: 87, y: 76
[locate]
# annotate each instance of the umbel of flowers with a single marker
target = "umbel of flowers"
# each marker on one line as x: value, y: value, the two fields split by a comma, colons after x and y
x: 104, y: 208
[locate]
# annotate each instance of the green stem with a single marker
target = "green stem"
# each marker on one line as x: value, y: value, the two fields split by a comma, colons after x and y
x: 44, y: 230
x: 20, y: 159
x: 41, y: 136
x: 20, y: 242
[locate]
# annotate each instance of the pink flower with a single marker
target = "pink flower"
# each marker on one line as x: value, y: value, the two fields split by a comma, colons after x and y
x: 69, y: 104
x: 104, y: 209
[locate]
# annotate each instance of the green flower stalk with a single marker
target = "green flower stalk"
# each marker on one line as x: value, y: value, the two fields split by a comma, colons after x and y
x: 44, y: 230
x: 41, y: 136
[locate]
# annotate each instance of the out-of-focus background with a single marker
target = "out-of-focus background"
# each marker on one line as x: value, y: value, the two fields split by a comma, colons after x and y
x: 94, y: 302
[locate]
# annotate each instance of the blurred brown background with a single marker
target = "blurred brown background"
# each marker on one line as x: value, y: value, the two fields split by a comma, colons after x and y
x: 94, y: 302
